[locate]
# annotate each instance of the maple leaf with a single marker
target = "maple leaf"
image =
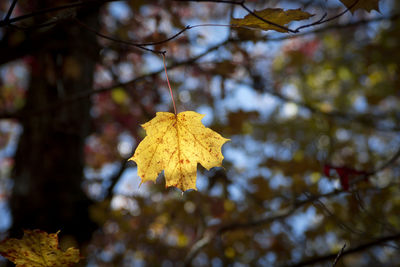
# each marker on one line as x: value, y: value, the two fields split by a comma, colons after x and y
x: 275, y: 15
x: 368, y: 5
x: 175, y: 144
x: 38, y: 249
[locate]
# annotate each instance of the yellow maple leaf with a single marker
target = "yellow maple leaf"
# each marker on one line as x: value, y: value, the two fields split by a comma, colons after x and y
x: 275, y: 15
x: 368, y: 5
x: 175, y: 144
x: 38, y: 249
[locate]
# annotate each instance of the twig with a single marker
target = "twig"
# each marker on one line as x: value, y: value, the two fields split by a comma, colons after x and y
x: 115, y: 178
x: 332, y: 256
x: 4, y: 23
x: 19, y: 114
x: 241, y: 4
x: 338, y: 255
x: 321, y: 21
x: 390, y: 162
x: 273, y: 216
x: 267, y: 21
x: 334, y: 114
x: 208, y: 238
x: 140, y: 46
x: 10, y: 10
x: 277, y: 215
x: 169, y: 85
x: 318, y: 203
x: 88, y: 93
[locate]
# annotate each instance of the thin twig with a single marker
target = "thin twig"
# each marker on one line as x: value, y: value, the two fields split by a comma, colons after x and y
x: 39, y: 111
x: 390, y: 162
x: 341, y: 224
x: 322, y: 258
x: 115, y: 178
x: 10, y: 10
x: 273, y: 216
x: 334, y: 113
x: 140, y: 46
x: 241, y: 4
x: 267, y: 21
x: 169, y: 85
x: 321, y: 21
x: 4, y: 23
x: 88, y: 93
x: 209, y: 237
x: 338, y: 255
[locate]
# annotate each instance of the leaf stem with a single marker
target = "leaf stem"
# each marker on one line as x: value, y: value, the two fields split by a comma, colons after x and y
x: 169, y: 85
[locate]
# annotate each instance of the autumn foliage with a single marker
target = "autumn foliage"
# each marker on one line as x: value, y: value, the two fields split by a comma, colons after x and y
x: 176, y: 144
x: 284, y: 152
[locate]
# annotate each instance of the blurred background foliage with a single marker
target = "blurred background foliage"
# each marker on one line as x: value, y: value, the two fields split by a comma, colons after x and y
x: 313, y: 120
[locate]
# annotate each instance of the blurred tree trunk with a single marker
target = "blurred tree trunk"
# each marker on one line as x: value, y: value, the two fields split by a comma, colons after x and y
x: 49, y: 162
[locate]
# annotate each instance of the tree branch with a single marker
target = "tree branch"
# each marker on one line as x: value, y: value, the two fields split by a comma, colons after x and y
x: 390, y: 162
x: 19, y: 114
x: 209, y: 237
x: 140, y: 46
x: 359, y: 248
x: 88, y: 93
x: 271, y: 217
x: 10, y: 10
x: 115, y: 178
x: 241, y: 4
x: 358, y: 118
x: 321, y: 21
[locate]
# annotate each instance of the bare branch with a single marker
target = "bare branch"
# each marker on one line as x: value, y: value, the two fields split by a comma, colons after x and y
x: 19, y: 114
x: 321, y: 21
x: 347, y: 117
x: 332, y: 256
x: 141, y: 46
x: 267, y: 21
x: 390, y: 162
x: 10, y: 10
x: 241, y: 4
x: 115, y: 178
x: 88, y: 93
x: 209, y: 237
x: 4, y: 23
x: 339, y: 255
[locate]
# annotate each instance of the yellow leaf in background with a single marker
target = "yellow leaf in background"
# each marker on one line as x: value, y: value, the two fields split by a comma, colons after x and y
x: 275, y: 15
x: 368, y: 5
x: 175, y: 144
x: 38, y: 249
x: 119, y: 95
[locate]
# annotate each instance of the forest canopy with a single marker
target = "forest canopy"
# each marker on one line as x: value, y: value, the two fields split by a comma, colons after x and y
x: 282, y: 115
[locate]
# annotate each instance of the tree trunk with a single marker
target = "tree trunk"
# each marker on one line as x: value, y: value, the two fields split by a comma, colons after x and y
x: 49, y: 162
